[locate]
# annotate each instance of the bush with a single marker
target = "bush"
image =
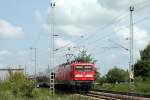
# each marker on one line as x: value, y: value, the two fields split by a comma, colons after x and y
x: 117, y: 75
x: 138, y: 79
x: 21, y: 85
x: 102, y: 80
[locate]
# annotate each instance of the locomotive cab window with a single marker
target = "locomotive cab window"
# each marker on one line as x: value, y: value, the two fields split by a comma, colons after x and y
x: 83, y: 68
x: 79, y: 68
x: 87, y: 68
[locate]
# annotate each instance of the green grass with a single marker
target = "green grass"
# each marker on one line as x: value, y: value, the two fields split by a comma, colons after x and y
x: 41, y: 94
x: 38, y: 94
x: 139, y: 87
x: 20, y: 87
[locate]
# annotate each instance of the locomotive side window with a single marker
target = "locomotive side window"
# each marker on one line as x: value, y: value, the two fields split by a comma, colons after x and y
x: 79, y: 68
x: 87, y: 68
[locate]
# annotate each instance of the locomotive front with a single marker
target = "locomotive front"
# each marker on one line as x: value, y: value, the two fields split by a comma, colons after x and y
x: 83, y: 75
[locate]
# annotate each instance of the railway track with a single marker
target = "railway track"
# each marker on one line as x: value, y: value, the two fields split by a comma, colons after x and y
x: 111, y: 95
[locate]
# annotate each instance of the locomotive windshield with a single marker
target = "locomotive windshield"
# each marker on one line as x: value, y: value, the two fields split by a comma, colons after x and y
x: 87, y: 68
x: 83, y: 68
x: 79, y: 68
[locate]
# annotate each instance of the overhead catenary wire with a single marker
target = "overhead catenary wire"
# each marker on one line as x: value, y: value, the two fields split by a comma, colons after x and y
x: 113, y: 34
x: 102, y: 28
x: 136, y: 4
x: 102, y: 38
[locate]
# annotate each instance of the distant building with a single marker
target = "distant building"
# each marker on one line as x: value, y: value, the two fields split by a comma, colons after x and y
x: 5, y: 73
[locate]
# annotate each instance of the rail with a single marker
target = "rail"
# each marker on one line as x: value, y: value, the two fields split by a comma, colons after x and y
x: 113, y: 95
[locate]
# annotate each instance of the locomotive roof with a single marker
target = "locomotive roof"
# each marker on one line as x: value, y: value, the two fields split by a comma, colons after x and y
x: 75, y: 61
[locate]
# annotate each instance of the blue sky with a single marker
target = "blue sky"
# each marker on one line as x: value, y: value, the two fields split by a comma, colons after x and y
x: 22, y: 13
x: 79, y: 23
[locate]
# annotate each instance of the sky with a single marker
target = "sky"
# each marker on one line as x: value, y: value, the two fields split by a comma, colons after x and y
x: 99, y: 26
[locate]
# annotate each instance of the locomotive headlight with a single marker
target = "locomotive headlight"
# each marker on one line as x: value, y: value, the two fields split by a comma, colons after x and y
x: 89, y: 75
x: 78, y: 75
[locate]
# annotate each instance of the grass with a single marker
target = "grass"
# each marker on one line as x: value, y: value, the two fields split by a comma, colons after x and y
x: 41, y: 94
x: 38, y: 94
x: 138, y: 87
x: 20, y: 87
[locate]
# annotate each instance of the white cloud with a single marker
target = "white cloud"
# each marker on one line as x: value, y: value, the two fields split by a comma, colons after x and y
x: 141, y: 39
x: 4, y: 52
x: 71, y: 30
x: 66, y: 29
x: 79, y: 16
x: 140, y: 35
x: 122, y: 4
x: 61, y: 43
x: 7, y: 30
x: 46, y: 28
x: 22, y: 53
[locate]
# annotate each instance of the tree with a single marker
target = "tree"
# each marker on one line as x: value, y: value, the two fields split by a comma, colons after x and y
x: 84, y: 57
x: 145, y: 54
x: 117, y: 75
x: 97, y: 75
x: 102, y: 80
x: 142, y: 69
x: 142, y: 66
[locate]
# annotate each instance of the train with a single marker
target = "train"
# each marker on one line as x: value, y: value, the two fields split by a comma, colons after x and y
x: 77, y: 75
x: 74, y: 75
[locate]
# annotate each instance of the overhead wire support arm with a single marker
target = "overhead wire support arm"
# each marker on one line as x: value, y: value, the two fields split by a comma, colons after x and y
x: 119, y: 45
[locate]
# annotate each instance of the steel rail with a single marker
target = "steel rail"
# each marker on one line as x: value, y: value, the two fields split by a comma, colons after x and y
x: 113, y: 95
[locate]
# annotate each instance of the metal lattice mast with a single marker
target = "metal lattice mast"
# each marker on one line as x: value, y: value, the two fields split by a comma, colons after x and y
x: 35, y: 62
x: 131, y: 69
x: 51, y: 69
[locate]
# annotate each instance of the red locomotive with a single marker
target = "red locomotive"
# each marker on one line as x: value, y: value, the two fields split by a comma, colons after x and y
x: 76, y: 74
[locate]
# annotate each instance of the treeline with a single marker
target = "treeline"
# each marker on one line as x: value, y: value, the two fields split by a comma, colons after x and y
x: 115, y: 75
x: 118, y: 79
x: 141, y: 70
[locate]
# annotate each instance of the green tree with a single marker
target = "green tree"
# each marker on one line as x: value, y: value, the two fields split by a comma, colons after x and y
x: 142, y: 66
x: 102, y: 80
x: 117, y: 75
x: 97, y: 75
x: 142, y: 69
x: 84, y: 57
x: 145, y: 54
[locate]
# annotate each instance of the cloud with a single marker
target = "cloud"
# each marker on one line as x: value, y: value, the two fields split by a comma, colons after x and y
x: 46, y: 28
x: 4, y: 52
x: 7, y: 30
x: 22, y: 53
x: 117, y: 5
x: 71, y: 30
x: 140, y: 41
x: 74, y: 18
x: 79, y: 16
x: 140, y: 35
x: 63, y: 43
x: 121, y: 4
